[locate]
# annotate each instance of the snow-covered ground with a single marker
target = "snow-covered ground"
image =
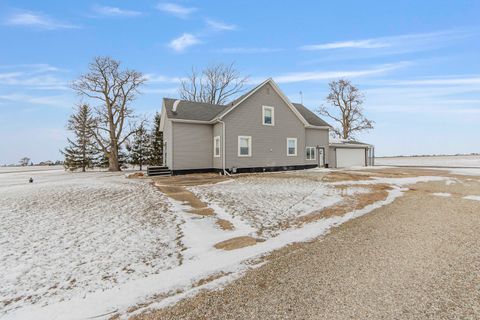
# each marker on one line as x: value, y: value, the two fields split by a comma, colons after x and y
x: 68, y: 234
x: 265, y: 202
x: 77, y: 246
x: 443, y: 161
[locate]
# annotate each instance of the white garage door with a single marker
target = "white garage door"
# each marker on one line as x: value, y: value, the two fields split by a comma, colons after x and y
x: 350, y: 157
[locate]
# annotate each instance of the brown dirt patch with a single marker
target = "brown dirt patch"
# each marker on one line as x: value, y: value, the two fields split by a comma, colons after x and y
x: 236, y: 243
x: 136, y: 175
x: 344, y: 176
x: 203, y: 211
x: 225, y: 224
x: 190, y: 179
x: 189, y: 198
x: 211, y: 278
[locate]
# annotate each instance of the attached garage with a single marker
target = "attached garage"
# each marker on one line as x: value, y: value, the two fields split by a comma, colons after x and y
x: 344, y: 154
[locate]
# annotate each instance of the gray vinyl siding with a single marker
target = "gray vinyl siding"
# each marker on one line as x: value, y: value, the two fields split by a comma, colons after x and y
x: 332, y: 158
x: 316, y: 137
x: 167, y: 137
x: 269, y: 143
x: 217, y: 131
x: 192, y: 146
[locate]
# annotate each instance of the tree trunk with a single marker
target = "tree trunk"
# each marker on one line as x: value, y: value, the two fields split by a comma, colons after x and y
x: 113, y: 164
x: 140, y: 166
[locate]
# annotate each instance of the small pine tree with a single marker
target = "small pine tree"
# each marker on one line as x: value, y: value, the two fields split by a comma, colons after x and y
x: 82, y: 151
x: 139, y: 148
x: 156, y: 143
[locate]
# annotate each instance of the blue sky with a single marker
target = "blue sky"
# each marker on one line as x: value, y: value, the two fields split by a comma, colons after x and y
x: 416, y: 61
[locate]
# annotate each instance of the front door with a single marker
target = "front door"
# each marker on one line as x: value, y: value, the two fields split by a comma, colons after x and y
x: 321, y: 156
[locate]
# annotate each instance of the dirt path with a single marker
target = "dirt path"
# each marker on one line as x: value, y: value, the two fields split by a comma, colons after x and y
x: 417, y: 258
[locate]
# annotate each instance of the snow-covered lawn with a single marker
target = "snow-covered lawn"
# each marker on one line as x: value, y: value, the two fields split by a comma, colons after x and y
x: 68, y: 234
x: 444, y: 161
x: 266, y: 202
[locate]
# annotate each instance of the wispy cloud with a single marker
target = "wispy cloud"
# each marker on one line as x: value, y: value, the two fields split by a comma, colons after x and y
x: 58, y: 101
x: 37, y: 20
x: 184, y: 41
x: 442, y: 81
x: 115, y: 11
x: 247, y: 50
x: 410, y: 40
x: 176, y: 9
x: 156, y: 78
x: 220, y: 26
x: 32, y: 76
x: 329, y: 75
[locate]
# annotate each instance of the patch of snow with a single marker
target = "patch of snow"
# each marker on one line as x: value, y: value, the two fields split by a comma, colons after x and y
x: 442, y: 194
x: 477, y: 198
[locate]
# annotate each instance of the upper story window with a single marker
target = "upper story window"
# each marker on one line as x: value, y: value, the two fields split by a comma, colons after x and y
x: 291, y: 147
x: 268, y: 115
x: 216, y: 146
x: 244, y: 146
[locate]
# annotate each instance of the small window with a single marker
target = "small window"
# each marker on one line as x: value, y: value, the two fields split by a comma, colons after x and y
x: 268, y: 115
x: 216, y: 146
x: 311, y: 153
x: 244, y: 146
x: 291, y: 147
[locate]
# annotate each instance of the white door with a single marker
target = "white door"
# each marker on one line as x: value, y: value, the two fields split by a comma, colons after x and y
x: 347, y: 157
x: 321, y: 156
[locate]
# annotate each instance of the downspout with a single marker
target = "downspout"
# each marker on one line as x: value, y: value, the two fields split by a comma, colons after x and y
x: 225, y: 172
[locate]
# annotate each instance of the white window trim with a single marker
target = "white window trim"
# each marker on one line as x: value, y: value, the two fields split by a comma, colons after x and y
x: 314, y: 153
x: 292, y: 155
x: 263, y: 116
x: 215, y: 139
x: 249, y: 146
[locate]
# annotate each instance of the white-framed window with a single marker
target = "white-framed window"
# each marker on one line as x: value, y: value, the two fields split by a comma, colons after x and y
x: 244, y: 146
x: 268, y: 116
x: 216, y: 146
x: 311, y: 153
x: 292, y: 147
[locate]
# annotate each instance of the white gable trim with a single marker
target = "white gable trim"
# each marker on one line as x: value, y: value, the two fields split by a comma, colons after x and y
x: 163, y: 116
x: 278, y: 91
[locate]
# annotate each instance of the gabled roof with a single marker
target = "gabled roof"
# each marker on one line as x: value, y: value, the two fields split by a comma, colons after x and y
x: 189, y: 110
x: 311, y: 117
x: 206, y: 112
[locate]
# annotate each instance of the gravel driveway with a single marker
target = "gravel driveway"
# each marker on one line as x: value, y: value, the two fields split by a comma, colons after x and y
x: 418, y: 258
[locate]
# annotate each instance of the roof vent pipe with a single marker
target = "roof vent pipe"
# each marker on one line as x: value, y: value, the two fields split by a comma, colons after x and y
x: 175, y: 106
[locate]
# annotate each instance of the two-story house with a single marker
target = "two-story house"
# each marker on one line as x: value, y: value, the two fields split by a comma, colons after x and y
x: 260, y: 131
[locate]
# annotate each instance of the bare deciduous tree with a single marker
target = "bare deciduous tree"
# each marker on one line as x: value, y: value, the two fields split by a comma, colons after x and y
x: 115, y: 89
x: 215, y: 84
x: 25, y: 161
x: 347, y: 103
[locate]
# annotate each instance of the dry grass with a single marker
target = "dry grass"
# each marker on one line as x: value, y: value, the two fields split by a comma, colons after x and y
x: 225, y: 224
x: 203, y: 211
x: 236, y: 243
x: 190, y: 179
x: 345, y: 176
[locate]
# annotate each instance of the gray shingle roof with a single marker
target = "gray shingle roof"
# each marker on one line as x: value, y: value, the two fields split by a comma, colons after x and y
x: 311, y: 117
x: 189, y: 110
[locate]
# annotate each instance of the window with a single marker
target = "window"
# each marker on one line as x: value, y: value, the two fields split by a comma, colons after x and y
x: 216, y: 146
x: 244, y: 146
x: 268, y: 115
x: 292, y: 147
x: 311, y: 154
